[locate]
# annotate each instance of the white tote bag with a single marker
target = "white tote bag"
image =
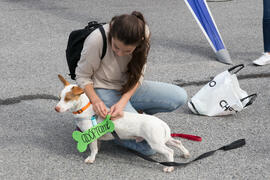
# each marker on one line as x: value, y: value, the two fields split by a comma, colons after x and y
x: 221, y: 96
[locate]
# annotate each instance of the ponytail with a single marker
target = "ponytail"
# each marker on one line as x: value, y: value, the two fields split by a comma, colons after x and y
x: 131, y: 30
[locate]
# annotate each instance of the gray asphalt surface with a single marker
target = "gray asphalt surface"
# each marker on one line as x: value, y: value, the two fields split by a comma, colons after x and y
x: 36, y: 141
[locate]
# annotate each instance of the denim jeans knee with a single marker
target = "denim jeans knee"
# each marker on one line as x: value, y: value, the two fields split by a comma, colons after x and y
x: 180, y: 98
x: 154, y: 97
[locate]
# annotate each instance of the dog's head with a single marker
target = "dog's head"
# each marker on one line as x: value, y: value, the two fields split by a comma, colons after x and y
x: 69, y: 97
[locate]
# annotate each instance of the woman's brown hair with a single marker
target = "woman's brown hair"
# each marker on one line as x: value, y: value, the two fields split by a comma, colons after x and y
x: 130, y: 30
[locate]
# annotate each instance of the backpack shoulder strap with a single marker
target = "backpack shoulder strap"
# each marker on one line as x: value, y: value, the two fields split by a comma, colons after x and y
x: 104, y: 49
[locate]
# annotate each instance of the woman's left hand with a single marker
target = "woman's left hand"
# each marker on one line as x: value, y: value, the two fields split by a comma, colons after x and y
x: 116, y: 111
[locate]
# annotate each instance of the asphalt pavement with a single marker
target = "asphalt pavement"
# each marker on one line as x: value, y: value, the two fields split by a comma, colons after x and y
x: 36, y: 142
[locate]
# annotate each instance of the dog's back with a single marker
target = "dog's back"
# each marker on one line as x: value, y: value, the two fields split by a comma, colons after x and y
x: 141, y: 125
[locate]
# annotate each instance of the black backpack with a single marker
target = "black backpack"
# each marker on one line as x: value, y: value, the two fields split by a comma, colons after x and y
x: 75, y: 45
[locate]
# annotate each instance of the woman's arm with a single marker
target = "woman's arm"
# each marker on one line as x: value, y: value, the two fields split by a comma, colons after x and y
x: 116, y: 110
x: 87, y: 65
x: 125, y: 97
x: 98, y: 105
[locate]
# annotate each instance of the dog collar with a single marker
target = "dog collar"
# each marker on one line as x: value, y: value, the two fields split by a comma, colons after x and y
x: 82, y: 109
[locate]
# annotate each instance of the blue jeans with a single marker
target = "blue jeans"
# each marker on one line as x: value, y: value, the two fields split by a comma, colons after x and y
x: 266, y: 25
x: 151, y: 97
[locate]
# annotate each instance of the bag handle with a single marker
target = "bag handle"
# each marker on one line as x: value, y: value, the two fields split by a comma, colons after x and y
x: 252, y: 99
x: 239, y: 66
x: 95, y: 24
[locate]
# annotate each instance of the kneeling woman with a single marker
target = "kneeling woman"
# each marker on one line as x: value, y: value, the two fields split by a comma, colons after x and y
x: 116, y: 81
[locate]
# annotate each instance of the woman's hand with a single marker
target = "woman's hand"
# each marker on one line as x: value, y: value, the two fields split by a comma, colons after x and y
x: 100, y: 108
x: 116, y: 111
x: 98, y: 105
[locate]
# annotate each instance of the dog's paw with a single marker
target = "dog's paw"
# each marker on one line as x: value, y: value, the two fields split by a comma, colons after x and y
x: 168, y: 169
x: 186, y: 155
x: 89, y: 160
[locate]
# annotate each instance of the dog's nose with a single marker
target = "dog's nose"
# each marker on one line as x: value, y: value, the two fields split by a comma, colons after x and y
x: 57, y: 108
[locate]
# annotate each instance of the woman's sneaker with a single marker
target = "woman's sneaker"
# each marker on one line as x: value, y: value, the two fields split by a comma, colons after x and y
x: 263, y: 60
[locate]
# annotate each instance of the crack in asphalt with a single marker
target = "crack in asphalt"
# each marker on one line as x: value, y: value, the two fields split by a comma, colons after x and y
x: 181, y: 83
x: 18, y: 99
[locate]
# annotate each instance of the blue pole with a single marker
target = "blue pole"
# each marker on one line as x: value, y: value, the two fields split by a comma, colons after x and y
x: 202, y: 14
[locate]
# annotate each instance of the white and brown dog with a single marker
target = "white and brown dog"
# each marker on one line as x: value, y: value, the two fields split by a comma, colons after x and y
x: 131, y: 126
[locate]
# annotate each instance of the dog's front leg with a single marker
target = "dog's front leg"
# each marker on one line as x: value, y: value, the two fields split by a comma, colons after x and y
x: 94, y: 150
x: 85, y: 125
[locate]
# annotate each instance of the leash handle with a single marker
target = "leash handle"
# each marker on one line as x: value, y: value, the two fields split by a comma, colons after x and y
x: 236, y: 144
x: 187, y: 136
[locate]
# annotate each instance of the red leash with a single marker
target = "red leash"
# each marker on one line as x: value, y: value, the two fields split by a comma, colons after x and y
x: 187, y: 136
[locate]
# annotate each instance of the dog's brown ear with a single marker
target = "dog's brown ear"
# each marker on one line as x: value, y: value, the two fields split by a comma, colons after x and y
x: 76, y: 90
x: 65, y: 82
